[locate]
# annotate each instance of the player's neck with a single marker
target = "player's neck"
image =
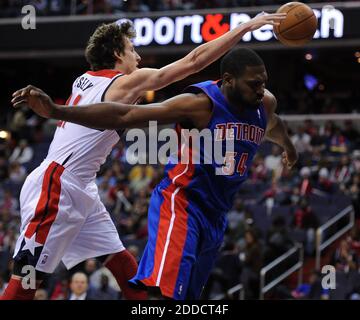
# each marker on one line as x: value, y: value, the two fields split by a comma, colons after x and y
x: 121, y: 68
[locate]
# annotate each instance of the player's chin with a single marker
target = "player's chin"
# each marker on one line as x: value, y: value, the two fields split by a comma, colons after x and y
x: 255, y: 103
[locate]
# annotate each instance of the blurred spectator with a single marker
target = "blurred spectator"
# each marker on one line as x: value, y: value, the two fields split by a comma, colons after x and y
x: 350, y: 133
x: 236, y: 218
x: 341, y: 174
x: 140, y: 177
x: 344, y: 258
x: 61, y: 290
x: 9, y: 203
x: 226, y: 272
x: 338, y: 143
x: 22, y: 154
x: 259, y: 171
x: 312, y: 290
x: 273, y: 161
x: 305, y: 185
x: 41, y: 294
x: 105, y: 292
x: 301, y: 140
x: 317, y: 142
x: 324, y: 184
x: 278, y: 239
x: 90, y: 267
x: 17, y: 173
x: 96, y: 280
x: 79, y: 287
x: 305, y: 219
x: 251, y: 258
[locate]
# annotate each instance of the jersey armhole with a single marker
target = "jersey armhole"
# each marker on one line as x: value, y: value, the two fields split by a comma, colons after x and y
x: 108, y: 86
x: 119, y: 131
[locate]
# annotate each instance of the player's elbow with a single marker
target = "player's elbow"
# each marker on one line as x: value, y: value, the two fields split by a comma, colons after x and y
x: 194, y: 62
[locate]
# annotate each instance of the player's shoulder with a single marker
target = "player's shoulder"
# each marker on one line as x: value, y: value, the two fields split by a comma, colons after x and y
x: 269, y: 102
x: 198, y: 99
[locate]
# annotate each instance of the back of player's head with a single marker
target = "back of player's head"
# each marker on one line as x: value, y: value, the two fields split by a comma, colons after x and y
x: 236, y: 61
x: 106, y: 39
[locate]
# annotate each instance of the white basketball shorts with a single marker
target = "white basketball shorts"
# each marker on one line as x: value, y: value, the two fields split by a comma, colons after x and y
x: 62, y: 218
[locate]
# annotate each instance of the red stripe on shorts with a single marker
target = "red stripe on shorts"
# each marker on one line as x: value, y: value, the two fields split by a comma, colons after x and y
x: 182, y: 173
x: 176, y: 245
x: 48, y: 204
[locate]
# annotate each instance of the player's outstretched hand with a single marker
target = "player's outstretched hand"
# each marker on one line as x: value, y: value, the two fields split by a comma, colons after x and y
x: 264, y: 18
x: 34, y: 98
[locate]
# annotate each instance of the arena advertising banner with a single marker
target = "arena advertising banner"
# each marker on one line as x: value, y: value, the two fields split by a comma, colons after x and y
x: 199, y: 28
x: 337, y: 26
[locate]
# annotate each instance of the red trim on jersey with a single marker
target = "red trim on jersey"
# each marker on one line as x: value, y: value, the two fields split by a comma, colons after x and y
x: 107, y: 73
x: 68, y: 100
x: 76, y: 100
x: 183, y: 179
x: 48, y: 204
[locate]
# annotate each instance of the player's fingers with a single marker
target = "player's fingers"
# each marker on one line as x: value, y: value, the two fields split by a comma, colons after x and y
x: 36, y: 93
x: 278, y: 15
x: 28, y: 89
x: 17, y: 99
x: 18, y: 92
x: 277, y: 18
x: 19, y: 103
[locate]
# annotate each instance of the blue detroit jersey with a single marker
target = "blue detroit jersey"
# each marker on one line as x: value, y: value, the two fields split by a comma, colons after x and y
x: 213, y: 193
x: 187, y: 210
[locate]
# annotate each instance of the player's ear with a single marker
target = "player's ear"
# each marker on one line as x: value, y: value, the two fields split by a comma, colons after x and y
x: 117, y: 55
x: 228, y: 79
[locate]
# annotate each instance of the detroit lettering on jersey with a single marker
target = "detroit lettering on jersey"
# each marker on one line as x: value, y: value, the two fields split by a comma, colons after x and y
x: 83, y: 83
x: 239, y: 131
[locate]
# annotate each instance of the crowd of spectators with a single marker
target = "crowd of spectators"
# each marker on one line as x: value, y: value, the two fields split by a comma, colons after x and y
x: 12, y: 8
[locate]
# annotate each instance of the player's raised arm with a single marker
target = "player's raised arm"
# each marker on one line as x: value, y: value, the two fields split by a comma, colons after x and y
x: 276, y: 131
x: 111, y: 115
x: 145, y: 79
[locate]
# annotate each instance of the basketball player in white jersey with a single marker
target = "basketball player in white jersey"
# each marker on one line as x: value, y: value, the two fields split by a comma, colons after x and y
x: 63, y: 218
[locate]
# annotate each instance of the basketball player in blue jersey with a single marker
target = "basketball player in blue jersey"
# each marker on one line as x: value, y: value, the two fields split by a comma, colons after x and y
x: 187, y: 213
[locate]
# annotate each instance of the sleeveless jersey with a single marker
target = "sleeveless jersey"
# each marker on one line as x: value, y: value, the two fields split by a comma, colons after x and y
x: 211, y: 187
x: 83, y: 150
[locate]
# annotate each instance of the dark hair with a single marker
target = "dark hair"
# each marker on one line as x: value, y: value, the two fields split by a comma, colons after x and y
x: 106, y: 39
x: 238, y: 59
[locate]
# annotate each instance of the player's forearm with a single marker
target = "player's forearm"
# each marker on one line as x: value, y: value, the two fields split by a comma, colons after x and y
x: 100, y: 116
x: 278, y: 134
x: 211, y: 51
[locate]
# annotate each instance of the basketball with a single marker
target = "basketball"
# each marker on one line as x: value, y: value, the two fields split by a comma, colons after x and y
x: 299, y: 26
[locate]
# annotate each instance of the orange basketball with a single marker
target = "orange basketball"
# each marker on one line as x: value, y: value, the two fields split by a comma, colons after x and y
x: 299, y: 26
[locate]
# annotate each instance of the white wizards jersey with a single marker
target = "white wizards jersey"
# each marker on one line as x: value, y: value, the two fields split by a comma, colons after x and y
x: 80, y: 149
